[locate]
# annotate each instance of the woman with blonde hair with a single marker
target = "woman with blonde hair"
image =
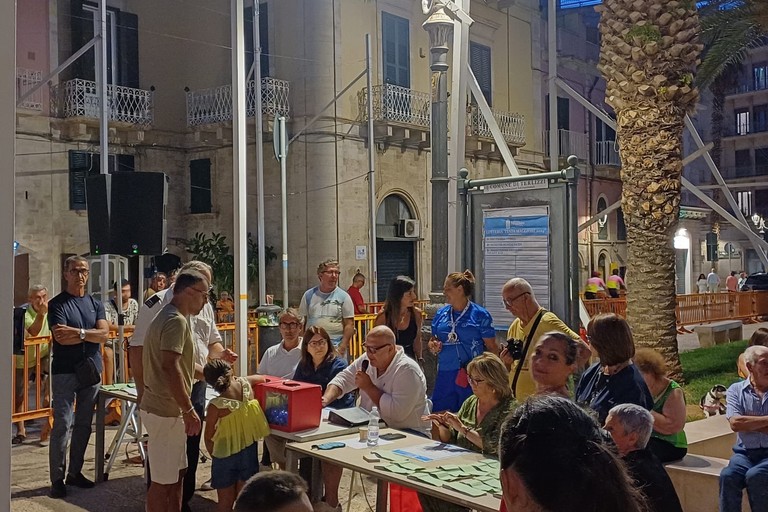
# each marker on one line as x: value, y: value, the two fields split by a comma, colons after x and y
x: 668, y: 439
x: 477, y: 425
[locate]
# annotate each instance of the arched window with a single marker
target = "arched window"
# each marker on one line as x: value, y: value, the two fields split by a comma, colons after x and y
x: 391, y: 211
x: 602, y: 222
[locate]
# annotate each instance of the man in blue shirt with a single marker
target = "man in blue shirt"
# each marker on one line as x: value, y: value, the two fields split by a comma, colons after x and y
x: 747, y: 411
x: 79, y: 329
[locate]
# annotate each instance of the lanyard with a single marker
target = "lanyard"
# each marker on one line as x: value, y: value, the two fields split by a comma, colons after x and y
x: 452, y: 336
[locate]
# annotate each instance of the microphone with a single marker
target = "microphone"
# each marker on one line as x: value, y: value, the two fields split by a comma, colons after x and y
x: 365, y: 365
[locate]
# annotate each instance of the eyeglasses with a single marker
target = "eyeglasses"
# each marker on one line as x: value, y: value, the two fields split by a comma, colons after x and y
x: 80, y: 271
x: 372, y: 350
x: 204, y: 292
x: 474, y: 381
x: 317, y: 343
x: 331, y: 272
x: 290, y: 325
x: 508, y: 302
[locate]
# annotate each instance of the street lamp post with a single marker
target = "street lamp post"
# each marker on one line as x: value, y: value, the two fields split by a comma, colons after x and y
x: 760, y: 225
x: 439, y: 26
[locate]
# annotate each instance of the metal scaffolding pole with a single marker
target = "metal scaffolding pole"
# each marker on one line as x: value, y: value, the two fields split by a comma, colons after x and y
x: 7, y: 150
x: 554, y: 147
x: 259, y: 155
x: 371, y: 171
x: 239, y: 183
x: 102, y: 84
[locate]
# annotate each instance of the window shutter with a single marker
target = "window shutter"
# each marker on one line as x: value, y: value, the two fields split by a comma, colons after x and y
x: 480, y: 61
x: 396, y: 51
x: 200, y: 185
x: 128, y: 47
x: 81, y: 25
x: 80, y: 167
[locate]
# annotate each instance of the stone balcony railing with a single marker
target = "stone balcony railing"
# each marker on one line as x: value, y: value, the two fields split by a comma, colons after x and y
x: 214, y: 105
x: 78, y: 98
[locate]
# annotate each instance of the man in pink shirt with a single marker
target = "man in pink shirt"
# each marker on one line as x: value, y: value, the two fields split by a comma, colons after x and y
x: 731, y: 282
x: 615, y: 283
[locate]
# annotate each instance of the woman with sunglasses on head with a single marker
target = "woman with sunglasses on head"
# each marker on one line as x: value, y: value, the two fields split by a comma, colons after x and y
x: 403, y: 317
x: 461, y: 330
x: 477, y: 425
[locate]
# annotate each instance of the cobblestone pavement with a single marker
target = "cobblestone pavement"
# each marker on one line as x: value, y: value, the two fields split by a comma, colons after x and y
x: 123, y: 491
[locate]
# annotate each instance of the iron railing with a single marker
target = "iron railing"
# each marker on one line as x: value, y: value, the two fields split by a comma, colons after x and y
x: 396, y: 104
x: 25, y: 80
x: 570, y: 143
x: 512, y: 125
x: 214, y: 105
x: 78, y: 98
x: 607, y: 153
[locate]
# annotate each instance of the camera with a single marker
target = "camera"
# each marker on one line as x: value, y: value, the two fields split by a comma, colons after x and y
x: 515, y: 348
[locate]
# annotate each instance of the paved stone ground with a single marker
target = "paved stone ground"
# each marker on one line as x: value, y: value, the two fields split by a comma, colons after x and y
x: 124, y: 491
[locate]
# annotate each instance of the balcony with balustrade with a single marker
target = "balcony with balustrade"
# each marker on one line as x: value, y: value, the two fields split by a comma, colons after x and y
x: 26, y: 79
x: 480, y: 141
x: 606, y: 154
x: 77, y: 100
x: 210, y: 107
x: 569, y: 143
x: 401, y: 116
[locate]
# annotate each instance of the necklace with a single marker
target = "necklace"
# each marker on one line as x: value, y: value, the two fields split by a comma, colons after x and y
x: 452, y: 336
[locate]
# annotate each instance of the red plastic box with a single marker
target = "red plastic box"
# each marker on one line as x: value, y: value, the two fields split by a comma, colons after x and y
x: 258, y: 391
x: 292, y: 406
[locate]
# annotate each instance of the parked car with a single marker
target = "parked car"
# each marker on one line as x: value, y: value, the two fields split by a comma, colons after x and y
x: 757, y: 281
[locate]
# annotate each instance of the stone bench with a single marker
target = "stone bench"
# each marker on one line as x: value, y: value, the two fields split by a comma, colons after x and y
x: 719, y: 332
x: 697, y: 481
x: 711, y: 437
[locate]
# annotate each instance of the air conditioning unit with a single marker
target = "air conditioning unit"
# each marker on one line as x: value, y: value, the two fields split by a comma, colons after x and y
x: 410, y: 228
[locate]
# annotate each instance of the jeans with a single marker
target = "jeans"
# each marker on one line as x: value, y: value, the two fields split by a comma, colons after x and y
x: 193, y: 444
x: 747, y: 468
x: 70, y: 422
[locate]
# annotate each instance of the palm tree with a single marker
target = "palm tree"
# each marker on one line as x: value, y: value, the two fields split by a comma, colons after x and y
x: 648, y: 53
x: 729, y: 29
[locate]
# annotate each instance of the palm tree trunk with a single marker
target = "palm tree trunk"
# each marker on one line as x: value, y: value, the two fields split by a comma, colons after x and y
x: 650, y: 138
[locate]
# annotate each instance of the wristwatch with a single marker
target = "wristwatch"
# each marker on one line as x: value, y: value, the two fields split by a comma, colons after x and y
x: 82, y: 334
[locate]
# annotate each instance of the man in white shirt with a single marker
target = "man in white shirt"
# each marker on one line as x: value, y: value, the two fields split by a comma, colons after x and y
x: 207, y: 346
x: 281, y: 360
x: 330, y: 307
x: 391, y: 381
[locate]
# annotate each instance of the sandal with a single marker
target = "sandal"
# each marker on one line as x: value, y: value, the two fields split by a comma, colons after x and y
x: 18, y: 439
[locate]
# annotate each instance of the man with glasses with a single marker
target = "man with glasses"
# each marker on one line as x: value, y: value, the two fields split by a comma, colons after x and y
x: 79, y: 329
x: 281, y: 360
x: 208, y: 344
x: 518, y: 298
x: 330, y: 307
x: 167, y: 412
x: 388, y: 379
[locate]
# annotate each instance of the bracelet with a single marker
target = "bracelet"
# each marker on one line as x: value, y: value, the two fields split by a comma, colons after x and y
x: 188, y: 411
x: 465, y: 430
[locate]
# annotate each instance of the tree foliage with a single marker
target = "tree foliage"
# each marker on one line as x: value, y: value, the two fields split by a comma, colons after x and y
x: 215, y: 251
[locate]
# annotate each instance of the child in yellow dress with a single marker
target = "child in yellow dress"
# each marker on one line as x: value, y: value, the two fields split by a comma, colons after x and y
x: 234, y: 422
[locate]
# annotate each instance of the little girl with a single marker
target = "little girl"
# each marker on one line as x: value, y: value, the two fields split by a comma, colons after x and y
x: 234, y: 422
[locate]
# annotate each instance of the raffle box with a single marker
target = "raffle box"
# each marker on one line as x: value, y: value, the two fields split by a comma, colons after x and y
x: 292, y: 406
x: 258, y: 391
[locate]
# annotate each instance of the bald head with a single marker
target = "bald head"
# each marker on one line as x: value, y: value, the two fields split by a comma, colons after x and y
x: 383, y: 334
x: 517, y: 284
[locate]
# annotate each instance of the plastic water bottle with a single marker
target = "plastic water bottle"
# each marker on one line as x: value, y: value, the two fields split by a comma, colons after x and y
x: 373, y: 427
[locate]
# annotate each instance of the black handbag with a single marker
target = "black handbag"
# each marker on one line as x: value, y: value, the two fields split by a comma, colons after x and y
x: 86, y: 372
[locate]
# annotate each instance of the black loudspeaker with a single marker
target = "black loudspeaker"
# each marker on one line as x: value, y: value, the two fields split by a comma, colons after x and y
x: 712, y: 244
x: 126, y: 213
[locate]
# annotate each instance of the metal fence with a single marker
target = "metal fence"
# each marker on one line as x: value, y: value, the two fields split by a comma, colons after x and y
x: 607, y: 153
x: 697, y: 308
x: 25, y: 80
x: 569, y: 143
x: 79, y: 98
x: 392, y: 103
x: 214, y: 105
x: 512, y: 125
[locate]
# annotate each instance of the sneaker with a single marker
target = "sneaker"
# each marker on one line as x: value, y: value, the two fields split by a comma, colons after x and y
x: 58, y: 490
x: 206, y: 486
x: 79, y: 480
